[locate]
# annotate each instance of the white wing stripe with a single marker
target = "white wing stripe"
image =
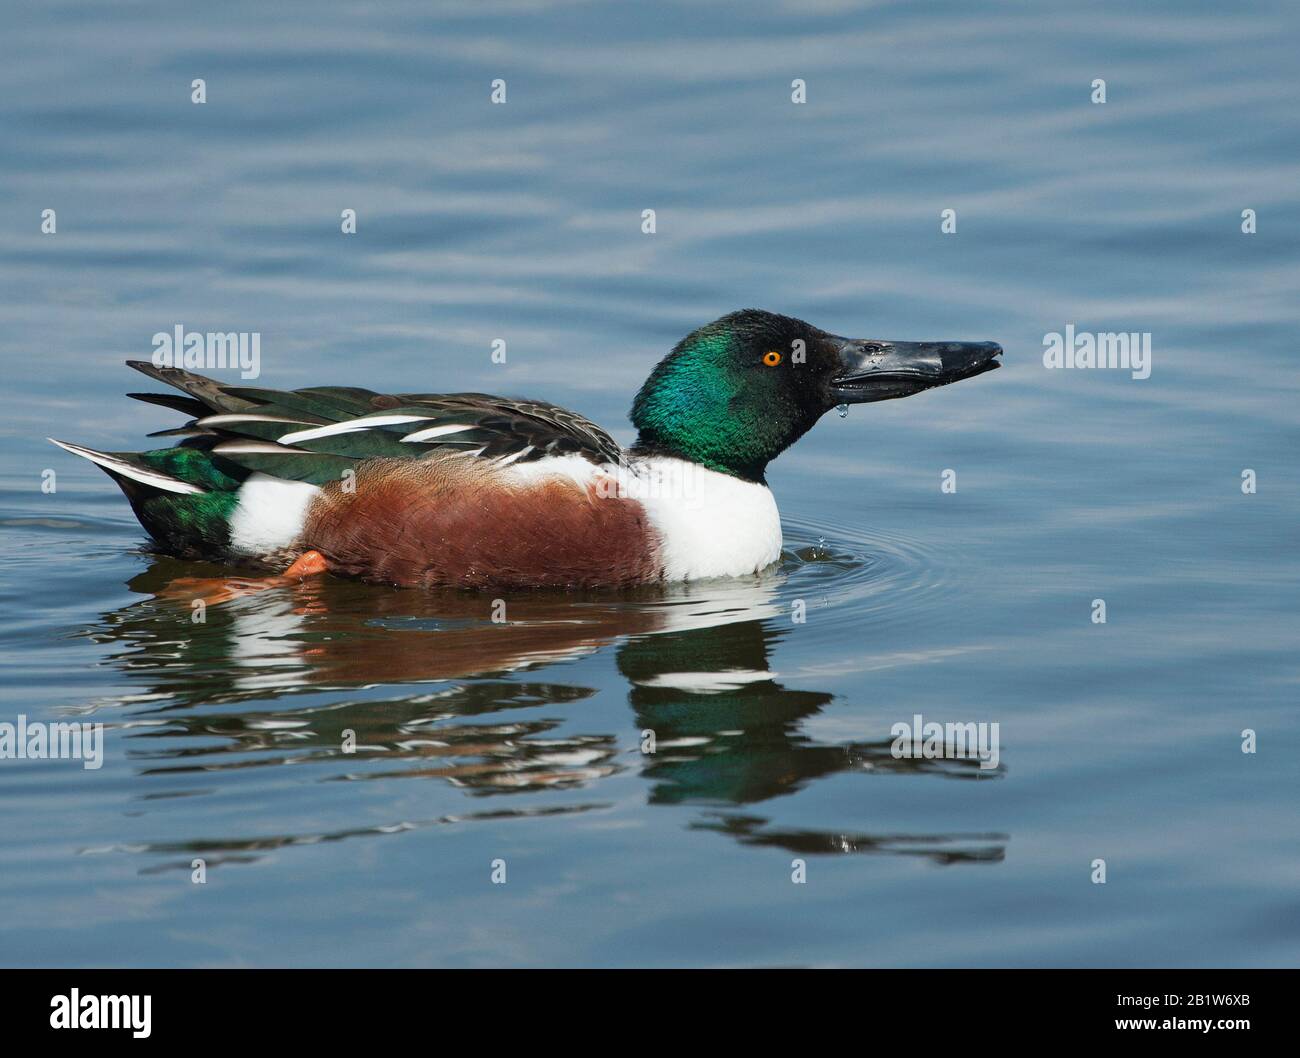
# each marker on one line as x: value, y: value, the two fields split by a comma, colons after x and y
x: 351, y: 426
x: 247, y: 448
x: 434, y: 431
x: 505, y: 461
x: 234, y: 417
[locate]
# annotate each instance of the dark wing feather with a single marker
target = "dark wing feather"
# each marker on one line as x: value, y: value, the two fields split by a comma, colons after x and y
x: 314, y: 434
x: 548, y: 428
x: 207, y: 391
x: 188, y: 405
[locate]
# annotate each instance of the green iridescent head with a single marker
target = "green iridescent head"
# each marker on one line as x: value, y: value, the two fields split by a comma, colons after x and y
x: 736, y: 393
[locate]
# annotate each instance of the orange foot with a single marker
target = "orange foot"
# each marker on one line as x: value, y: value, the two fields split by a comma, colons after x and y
x: 215, y: 590
x: 308, y: 564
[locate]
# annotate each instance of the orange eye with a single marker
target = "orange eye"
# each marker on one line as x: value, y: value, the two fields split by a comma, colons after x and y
x: 772, y: 358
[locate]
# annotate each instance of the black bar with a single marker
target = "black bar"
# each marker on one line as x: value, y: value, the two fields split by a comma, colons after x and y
x: 336, y: 1007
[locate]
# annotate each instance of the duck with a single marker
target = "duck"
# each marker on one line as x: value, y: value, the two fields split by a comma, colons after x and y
x: 474, y: 491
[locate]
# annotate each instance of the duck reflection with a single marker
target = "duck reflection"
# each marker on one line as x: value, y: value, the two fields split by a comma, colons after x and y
x: 725, y: 732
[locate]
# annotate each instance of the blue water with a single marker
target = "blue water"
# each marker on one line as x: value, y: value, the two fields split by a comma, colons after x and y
x: 478, y: 742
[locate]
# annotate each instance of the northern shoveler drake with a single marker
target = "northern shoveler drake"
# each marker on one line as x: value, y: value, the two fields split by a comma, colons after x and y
x: 477, y: 491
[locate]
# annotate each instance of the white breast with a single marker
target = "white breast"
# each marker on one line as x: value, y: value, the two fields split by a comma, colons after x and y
x: 711, y: 524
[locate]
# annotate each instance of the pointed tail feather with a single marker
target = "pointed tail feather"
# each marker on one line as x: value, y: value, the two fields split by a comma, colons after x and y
x: 194, y: 408
x: 207, y: 391
x: 119, y: 466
